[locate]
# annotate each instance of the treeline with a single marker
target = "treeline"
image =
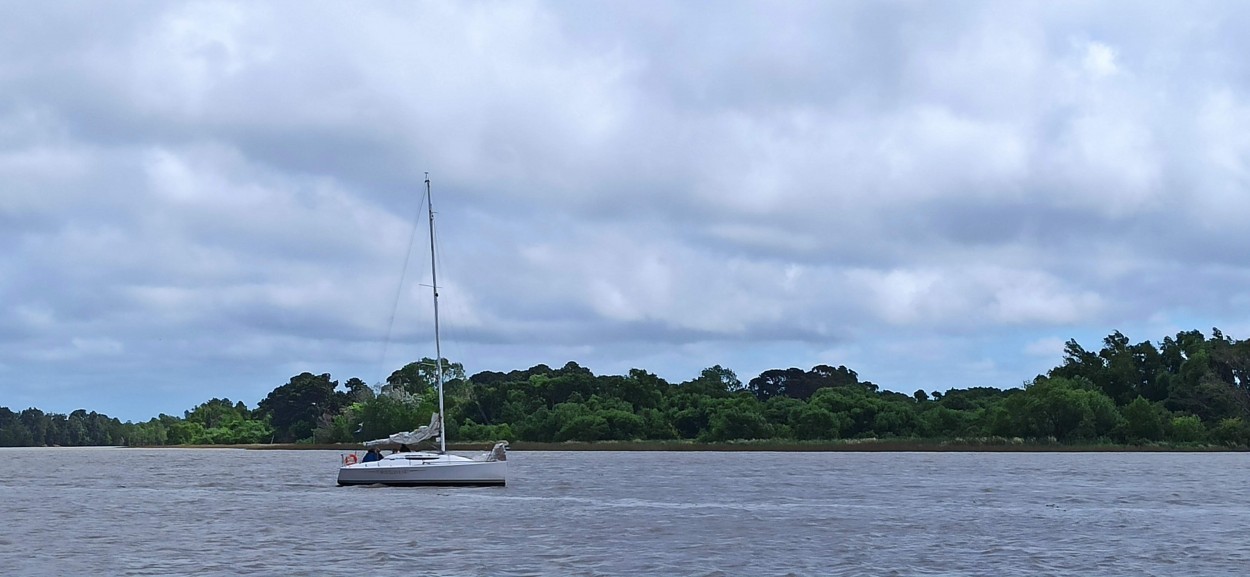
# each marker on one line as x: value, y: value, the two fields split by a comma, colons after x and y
x: 1189, y: 389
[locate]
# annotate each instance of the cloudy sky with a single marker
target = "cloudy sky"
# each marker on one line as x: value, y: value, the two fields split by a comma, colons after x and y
x: 203, y: 199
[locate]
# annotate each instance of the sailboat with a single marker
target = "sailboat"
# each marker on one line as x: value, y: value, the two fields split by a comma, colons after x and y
x: 409, y: 468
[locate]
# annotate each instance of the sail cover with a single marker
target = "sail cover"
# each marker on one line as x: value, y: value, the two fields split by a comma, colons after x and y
x: 410, y: 437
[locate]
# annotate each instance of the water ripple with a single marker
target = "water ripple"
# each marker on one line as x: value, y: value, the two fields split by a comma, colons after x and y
x: 231, y: 512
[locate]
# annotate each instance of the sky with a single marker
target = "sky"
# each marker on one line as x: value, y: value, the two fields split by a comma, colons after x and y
x: 203, y: 199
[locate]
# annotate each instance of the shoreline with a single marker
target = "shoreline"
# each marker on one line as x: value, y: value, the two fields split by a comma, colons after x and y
x: 850, y: 446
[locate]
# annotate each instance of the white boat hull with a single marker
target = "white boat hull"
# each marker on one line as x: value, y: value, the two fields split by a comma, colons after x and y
x: 420, y: 469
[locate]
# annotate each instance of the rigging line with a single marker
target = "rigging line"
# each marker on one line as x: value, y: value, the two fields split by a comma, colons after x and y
x: 451, y: 334
x: 452, y: 342
x: 438, y: 261
x: 403, y: 273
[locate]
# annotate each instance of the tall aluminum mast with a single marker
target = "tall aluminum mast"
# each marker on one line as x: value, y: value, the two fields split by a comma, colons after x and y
x: 438, y: 351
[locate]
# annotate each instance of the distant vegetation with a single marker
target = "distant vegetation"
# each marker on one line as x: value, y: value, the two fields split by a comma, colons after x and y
x: 1188, y: 390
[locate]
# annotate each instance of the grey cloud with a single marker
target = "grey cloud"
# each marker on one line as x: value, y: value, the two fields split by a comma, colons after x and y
x: 926, y: 190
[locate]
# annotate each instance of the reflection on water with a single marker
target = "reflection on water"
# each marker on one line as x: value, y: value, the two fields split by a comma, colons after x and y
x: 235, y: 512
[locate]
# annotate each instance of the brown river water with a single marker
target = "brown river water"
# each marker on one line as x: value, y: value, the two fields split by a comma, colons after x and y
x: 113, y: 511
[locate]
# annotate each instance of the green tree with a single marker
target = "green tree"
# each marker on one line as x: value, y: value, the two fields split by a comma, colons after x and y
x: 939, y: 421
x: 623, y: 425
x: 472, y: 431
x: 691, y: 422
x: 781, y: 413
x: 1062, y: 408
x: 1234, y: 432
x: 812, y: 422
x: 857, y: 408
x: 185, y: 433
x: 656, y: 425
x: 218, y: 413
x: 358, y: 391
x: 895, y: 419
x: 1143, y: 421
x: 735, y: 418
x: 13, y: 433
x: 714, y: 381
x: 294, y: 408
x: 420, y: 376
x: 590, y: 427
x: 1187, y: 429
x: 36, y: 424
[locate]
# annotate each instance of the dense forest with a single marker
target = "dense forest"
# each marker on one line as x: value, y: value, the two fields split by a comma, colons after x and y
x: 1188, y: 390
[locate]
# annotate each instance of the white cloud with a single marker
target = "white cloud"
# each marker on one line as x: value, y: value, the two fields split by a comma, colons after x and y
x: 1099, y: 60
x: 926, y: 194
x: 1049, y: 347
x: 79, y: 349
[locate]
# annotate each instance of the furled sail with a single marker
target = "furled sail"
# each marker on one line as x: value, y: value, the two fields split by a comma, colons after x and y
x: 410, y: 437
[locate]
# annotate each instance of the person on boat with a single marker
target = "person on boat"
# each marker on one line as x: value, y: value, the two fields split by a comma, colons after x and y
x: 372, y: 455
x: 404, y: 449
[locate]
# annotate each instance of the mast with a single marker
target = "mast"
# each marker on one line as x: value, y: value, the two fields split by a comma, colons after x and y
x: 438, y: 351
